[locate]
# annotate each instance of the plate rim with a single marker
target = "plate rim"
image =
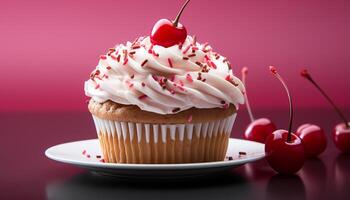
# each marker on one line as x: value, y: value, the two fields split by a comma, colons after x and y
x: 182, y: 166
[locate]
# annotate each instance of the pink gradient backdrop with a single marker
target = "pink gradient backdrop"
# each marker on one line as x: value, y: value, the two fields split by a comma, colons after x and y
x: 48, y: 48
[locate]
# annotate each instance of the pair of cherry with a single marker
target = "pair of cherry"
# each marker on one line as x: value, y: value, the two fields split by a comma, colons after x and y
x: 286, y: 151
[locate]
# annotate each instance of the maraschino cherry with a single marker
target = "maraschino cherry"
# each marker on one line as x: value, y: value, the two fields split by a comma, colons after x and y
x: 284, y: 150
x: 167, y: 33
x: 341, y: 132
x: 258, y: 129
x: 314, y: 139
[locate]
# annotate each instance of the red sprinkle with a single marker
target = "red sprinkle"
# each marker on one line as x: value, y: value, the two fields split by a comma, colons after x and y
x: 189, y: 77
x: 150, y: 50
x: 192, y: 55
x: 136, y: 47
x: 228, y: 78
x: 143, y: 84
x: 125, y: 61
x: 103, y: 57
x: 84, y: 152
x: 132, y: 76
x: 88, y: 155
x: 213, y: 64
x: 131, y: 85
x: 114, y: 58
x: 98, y: 156
x: 108, y: 67
x: 155, y: 77
x: 97, y: 86
x: 118, y: 58
x: 185, y: 58
x: 155, y: 54
x: 144, y: 62
x: 102, y: 160
x: 170, y: 63
x: 186, y: 49
x: 142, y: 96
x: 242, y: 153
x: 199, y: 63
x: 125, y: 54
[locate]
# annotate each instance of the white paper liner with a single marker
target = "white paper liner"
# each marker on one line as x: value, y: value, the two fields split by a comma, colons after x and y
x: 135, y: 134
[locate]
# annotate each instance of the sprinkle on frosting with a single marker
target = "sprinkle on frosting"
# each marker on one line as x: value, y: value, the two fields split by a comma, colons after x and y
x: 192, y: 55
x: 172, y: 79
x: 170, y: 63
x: 144, y: 62
x: 186, y: 49
x: 142, y: 96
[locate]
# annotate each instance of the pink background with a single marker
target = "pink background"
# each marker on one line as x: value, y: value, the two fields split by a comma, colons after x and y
x: 48, y: 48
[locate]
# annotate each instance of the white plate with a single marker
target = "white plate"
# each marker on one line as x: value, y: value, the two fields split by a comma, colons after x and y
x: 72, y: 153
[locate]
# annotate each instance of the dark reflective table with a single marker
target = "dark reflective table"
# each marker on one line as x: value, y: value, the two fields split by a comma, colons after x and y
x: 27, y: 174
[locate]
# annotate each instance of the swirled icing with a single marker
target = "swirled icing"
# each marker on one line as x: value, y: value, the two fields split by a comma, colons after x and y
x: 165, y: 80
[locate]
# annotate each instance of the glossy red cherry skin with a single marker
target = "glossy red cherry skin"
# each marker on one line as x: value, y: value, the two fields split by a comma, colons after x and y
x: 341, y: 137
x: 165, y: 34
x: 313, y: 139
x: 259, y: 129
x: 284, y: 157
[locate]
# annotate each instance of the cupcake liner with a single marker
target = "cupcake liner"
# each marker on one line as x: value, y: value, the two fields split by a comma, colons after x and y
x: 128, y: 142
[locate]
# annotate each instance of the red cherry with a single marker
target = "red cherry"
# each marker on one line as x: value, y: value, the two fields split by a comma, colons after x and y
x: 167, y: 33
x: 313, y: 138
x: 284, y: 156
x: 284, y: 150
x: 341, y: 135
x: 258, y: 129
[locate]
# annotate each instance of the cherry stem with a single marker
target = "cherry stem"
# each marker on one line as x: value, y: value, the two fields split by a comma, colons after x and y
x: 244, y: 76
x: 275, y: 73
x: 176, y: 21
x: 304, y: 73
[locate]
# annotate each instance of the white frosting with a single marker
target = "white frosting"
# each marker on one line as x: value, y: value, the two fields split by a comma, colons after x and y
x: 165, y: 80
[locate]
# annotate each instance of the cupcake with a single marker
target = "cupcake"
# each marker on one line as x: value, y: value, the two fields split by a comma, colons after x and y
x: 156, y: 102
